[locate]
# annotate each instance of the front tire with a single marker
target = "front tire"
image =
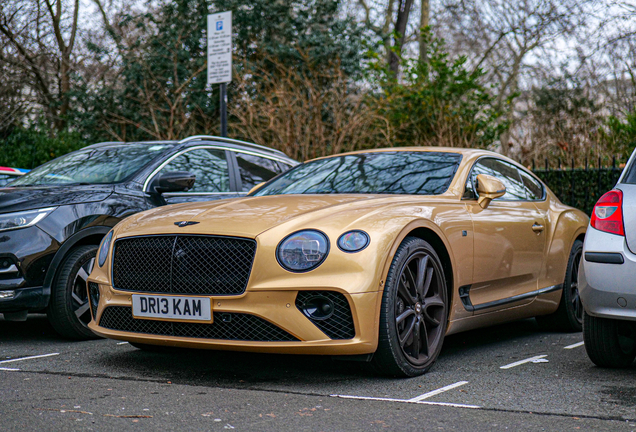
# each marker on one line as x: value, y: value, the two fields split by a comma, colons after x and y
x: 609, y: 342
x: 569, y: 316
x: 68, y: 310
x: 414, y: 311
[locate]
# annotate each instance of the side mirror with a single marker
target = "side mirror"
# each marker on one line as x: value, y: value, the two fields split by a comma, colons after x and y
x: 172, y: 181
x: 255, y: 188
x: 489, y: 188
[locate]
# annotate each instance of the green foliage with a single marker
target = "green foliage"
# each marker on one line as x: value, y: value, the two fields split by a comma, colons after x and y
x: 580, y: 188
x: 161, y: 90
x: 620, y: 135
x: 292, y: 30
x: 29, y: 148
x: 437, y: 102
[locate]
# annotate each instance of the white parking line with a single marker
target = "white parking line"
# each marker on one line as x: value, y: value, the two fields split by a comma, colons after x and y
x: 520, y: 362
x: 122, y: 343
x: 406, y: 401
x: 29, y: 358
x: 438, y: 391
x: 576, y: 345
x: 9, y: 369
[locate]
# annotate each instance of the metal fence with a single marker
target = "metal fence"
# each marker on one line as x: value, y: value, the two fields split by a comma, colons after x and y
x: 580, y: 187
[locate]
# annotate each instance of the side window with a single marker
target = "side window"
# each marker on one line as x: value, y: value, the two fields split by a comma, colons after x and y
x: 208, y: 165
x: 534, y: 189
x: 255, y: 170
x: 506, y: 173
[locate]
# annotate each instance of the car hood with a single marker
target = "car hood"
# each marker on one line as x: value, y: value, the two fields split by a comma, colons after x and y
x: 13, y: 199
x: 251, y: 216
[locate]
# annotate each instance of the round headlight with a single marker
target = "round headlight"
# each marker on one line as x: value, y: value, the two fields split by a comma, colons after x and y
x: 303, y: 250
x: 103, y: 249
x: 353, y: 241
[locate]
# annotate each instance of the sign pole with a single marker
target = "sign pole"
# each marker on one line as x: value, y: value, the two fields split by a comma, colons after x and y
x: 220, y: 58
x: 223, y: 107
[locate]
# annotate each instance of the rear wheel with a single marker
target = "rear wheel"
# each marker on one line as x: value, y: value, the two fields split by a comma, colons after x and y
x: 68, y: 310
x: 609, y: 342
x: 569, y: 316
x: 414, y: 311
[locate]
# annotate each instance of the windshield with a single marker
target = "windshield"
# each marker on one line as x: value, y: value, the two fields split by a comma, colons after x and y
x: 93, y: 166
x: 400, y: 172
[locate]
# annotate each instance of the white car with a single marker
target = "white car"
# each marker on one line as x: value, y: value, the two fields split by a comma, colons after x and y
x: 607, y: 275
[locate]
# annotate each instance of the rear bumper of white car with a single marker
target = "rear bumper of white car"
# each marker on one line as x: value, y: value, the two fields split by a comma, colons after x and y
x: 607, y: 276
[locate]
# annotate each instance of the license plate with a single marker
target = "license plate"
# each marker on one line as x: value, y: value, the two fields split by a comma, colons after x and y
x: 172, y: 307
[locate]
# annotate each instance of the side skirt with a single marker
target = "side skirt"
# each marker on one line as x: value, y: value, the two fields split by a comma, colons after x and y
x: 464, y: 294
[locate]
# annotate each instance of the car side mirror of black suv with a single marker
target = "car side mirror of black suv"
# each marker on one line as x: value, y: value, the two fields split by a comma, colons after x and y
x: 172, y: 181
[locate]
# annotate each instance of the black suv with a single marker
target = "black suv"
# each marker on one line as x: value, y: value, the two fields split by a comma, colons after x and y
x: 53, y: 219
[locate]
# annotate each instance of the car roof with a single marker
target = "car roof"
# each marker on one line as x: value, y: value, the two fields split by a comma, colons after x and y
x: 458, y: 150
x: 205, y: 139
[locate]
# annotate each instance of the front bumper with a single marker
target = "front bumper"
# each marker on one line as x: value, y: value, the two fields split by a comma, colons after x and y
x: 29, y: 252
x: 267, y: 308
x: 607, y: 286
x: 32, y: 298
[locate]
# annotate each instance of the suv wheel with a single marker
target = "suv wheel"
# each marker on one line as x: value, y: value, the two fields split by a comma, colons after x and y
x: 609, y: 342
x: 68, y: 311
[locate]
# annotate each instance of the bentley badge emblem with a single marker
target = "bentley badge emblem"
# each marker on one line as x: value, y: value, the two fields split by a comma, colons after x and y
x: 185, y: 223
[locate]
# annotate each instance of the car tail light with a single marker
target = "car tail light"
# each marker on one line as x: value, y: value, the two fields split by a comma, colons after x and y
x: 608, y: 213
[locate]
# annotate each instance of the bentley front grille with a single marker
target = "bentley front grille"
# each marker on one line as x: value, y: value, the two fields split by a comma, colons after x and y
x: 183, y: 264
x: 226, y: 326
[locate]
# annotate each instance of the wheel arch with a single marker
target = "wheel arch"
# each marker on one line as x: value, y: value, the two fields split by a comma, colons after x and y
x: 88, y: 236
x: 570, y: 226
x: 434, y: 240
x: 433, y: 235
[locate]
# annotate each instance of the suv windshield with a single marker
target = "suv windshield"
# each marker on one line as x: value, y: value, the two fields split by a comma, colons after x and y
x: 400, y: 172
x: 93, y: 165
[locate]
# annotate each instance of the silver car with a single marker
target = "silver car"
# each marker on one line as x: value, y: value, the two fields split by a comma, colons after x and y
x: 607, y: 275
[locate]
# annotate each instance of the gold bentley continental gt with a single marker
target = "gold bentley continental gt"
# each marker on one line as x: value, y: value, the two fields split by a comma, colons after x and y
x: 371, y: 255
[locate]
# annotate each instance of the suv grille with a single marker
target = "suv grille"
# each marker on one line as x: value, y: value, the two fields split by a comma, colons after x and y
x: 226, y: 326
x: 177, y: 264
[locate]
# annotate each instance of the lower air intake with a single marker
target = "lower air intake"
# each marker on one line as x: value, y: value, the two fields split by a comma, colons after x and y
x: 339, y: 323
x: 226, y: 326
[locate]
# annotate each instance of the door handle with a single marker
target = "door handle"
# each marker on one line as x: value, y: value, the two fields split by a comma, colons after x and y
x: 537, y: 227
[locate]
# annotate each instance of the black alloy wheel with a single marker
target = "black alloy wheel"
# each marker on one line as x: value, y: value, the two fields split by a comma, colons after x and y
x: 569, y: 315
x: 574, y: 297
x: 414, y: 311
x: 69, y: 310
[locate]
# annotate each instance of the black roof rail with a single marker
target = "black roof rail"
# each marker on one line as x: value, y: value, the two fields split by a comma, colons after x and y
x: 232, y: 141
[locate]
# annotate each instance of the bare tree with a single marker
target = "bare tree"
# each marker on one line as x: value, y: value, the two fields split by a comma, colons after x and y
x: 512, y: 40
x: 39, y: 39
x: 305, y: 115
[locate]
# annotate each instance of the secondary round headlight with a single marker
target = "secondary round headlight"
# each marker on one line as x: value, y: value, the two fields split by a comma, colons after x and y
x: 103, y: 248
x: 353, y: 241
x: 303, y: 250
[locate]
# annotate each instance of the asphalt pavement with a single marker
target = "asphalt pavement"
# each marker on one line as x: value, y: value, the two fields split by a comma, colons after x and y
x: 509, y: 377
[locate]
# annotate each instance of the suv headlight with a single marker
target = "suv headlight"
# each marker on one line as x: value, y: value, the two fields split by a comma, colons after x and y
x: 102, y: 254
x: 11, y: 221
x: 303, y: 250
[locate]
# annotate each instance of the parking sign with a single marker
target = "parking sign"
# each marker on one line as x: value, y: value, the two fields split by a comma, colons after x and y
x: 220, y: 48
